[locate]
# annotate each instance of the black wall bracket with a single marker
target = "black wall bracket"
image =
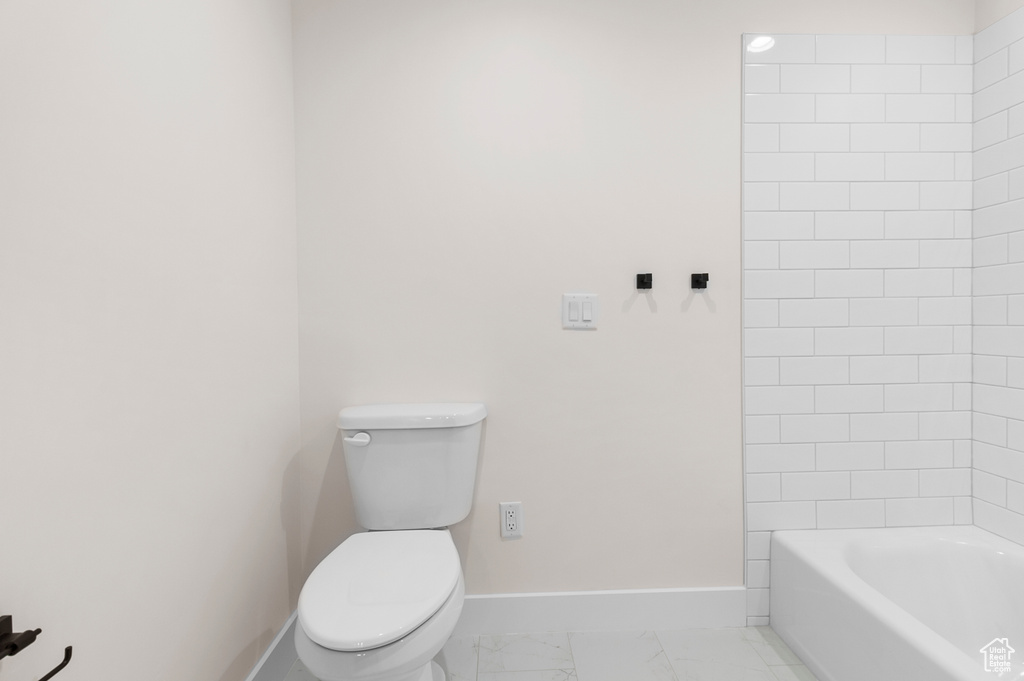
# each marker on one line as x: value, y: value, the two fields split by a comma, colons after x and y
x: 12, y: 643
x: 644, y: 281
x: 699, y: 280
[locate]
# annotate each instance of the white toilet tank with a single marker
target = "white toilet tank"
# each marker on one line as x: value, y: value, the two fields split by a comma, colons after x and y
x: 411, y: 466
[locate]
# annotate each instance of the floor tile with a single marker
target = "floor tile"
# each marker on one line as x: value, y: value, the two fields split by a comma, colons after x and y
x: 459, y: 657
x: 524, y: 652
x: 539, y: 675
x: 298, y: 672
x: 620, y: 656
x: 714, y: 655
x: 770, y: 647
x: 793, y: 673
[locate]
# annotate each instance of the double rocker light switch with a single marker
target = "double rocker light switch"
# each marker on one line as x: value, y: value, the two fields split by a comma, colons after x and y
x: 579, y: 311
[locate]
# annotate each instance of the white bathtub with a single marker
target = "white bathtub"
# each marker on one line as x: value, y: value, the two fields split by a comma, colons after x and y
x: 899, y: 604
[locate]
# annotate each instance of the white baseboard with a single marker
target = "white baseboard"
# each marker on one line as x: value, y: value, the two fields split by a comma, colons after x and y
x: 642, y: 609
x: 495, y: 614
x: 278, y: 659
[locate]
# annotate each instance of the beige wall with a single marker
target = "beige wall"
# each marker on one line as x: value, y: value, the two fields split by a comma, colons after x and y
x: 463, y: 164
x: 148, y: 359
x: 988, y: 12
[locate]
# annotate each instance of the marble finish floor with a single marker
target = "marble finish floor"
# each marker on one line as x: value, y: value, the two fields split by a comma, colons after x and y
x: 740, y: 654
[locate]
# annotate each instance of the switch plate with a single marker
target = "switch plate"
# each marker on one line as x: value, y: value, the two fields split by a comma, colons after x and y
x: 579, y: 311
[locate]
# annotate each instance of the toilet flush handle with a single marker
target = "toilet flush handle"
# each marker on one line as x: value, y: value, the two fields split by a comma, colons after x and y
x: 358, y: 440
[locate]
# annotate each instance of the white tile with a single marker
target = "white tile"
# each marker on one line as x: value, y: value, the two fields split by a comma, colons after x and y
x: 946, y: 137
x: 761, y: 429
x: 757, y: 604
x: 990, y: 370
x: 999, y: 400
x: 962, y: 453
x: 1015, y: 496
x: 883, y: 254
x: 814, y: 196
x: 990, y: 70
x: 538, y: 675
x: 946, y: 482
x: 918, y: 340
x: 764, y: 487
x: 777, y: 225
x: 760, y: 196
x: 780, y: 515
x: 760, y: 371
x: 524, y: 652
x: 990, y: 130
x: 991, y: 190
x: 611, y: 656
x: 965, y: 49
x: 815, y: 486
x: 892, y: 369
x: 962, y: 511
x: 698, y: 654
x: 918, y: 512
x: 962, y: 395
x: 1015, y: 310
x: 850, y: 49
x: 919, y: 454
x: 760, y: 313
x: 999, y: 96
x: 919, y: 108
x: 944, y: 425
x: 1016, y: 57
x: 864, y: 340
x: 850, y: 456
x: 779, y: 400
x: 1015, y: 185
x: 816, y: 78
x: 999, y: 279
x: 963, y: 283
x: 883, y: 311
x: 849, y: 166
x: 849, y: 225
x: 885, y: 137
x: 781, y: 108
x: 998, y: 158
x: 964, y: 166
x: 945, y: 311
x: 845, y: 399
x: 797, y: 137
x: 883, y: 484
x: 814, y: 255
x: 855, y: 109
x: 788, y: 49
x: 945, y: 368
x: 758, y: 574
x: 779, y: 458
x: 814, y: 370
x: 947, y: 195
x: 880, y: 427
x: 999, y: 520
x: 818, y: 312
x: 298, y: 672
x: 1015, y: 372
x: 999, y: 340
x: 919, y: 225
x: 761, y: 78
x: 848, y: 283
x: 1015, y: 120
x: 988, y: 487
x: 761, y: 255
x: 855, y: 513
x: 946, y: 79
x: 919, y: 166
x: 778, y: 167
x: 998, y: 35
x: 920, y: 397
x: 759, y: 545
x: 1015, y: 247
x: 885, y: 196
x: 919, y: 282
x: 920, y: 49
x: 815, y: 428
x: 778, y: 342
x: 779, y: 284
x: 885, y: 79
x: 1006, y: 463
x: 459, y: 658
x: 964, y: 108
x: 963, y: 224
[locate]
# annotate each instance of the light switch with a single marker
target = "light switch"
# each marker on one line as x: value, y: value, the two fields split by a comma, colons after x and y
x: 579, y: 311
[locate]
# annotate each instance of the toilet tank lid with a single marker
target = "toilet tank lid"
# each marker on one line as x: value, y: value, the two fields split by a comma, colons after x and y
x: 407, y: 416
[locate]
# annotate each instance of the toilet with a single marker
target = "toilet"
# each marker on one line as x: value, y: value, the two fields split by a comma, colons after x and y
x: 383, y: 603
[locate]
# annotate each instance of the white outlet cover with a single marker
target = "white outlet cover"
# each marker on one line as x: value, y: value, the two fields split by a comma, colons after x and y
x: 579, y: 310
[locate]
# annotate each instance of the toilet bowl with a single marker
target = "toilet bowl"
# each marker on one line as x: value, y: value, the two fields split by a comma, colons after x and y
x: 382, y: 605
x: 347, y: 604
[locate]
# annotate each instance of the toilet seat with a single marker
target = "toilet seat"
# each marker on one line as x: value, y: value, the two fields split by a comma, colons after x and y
x: 376, y: 587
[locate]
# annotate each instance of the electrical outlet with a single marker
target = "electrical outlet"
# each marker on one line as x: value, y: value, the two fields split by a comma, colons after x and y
x: 511, y: 513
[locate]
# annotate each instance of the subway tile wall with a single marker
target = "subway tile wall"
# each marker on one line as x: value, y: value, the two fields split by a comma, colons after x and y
x: 998, y: 309
x: 859, y: 172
